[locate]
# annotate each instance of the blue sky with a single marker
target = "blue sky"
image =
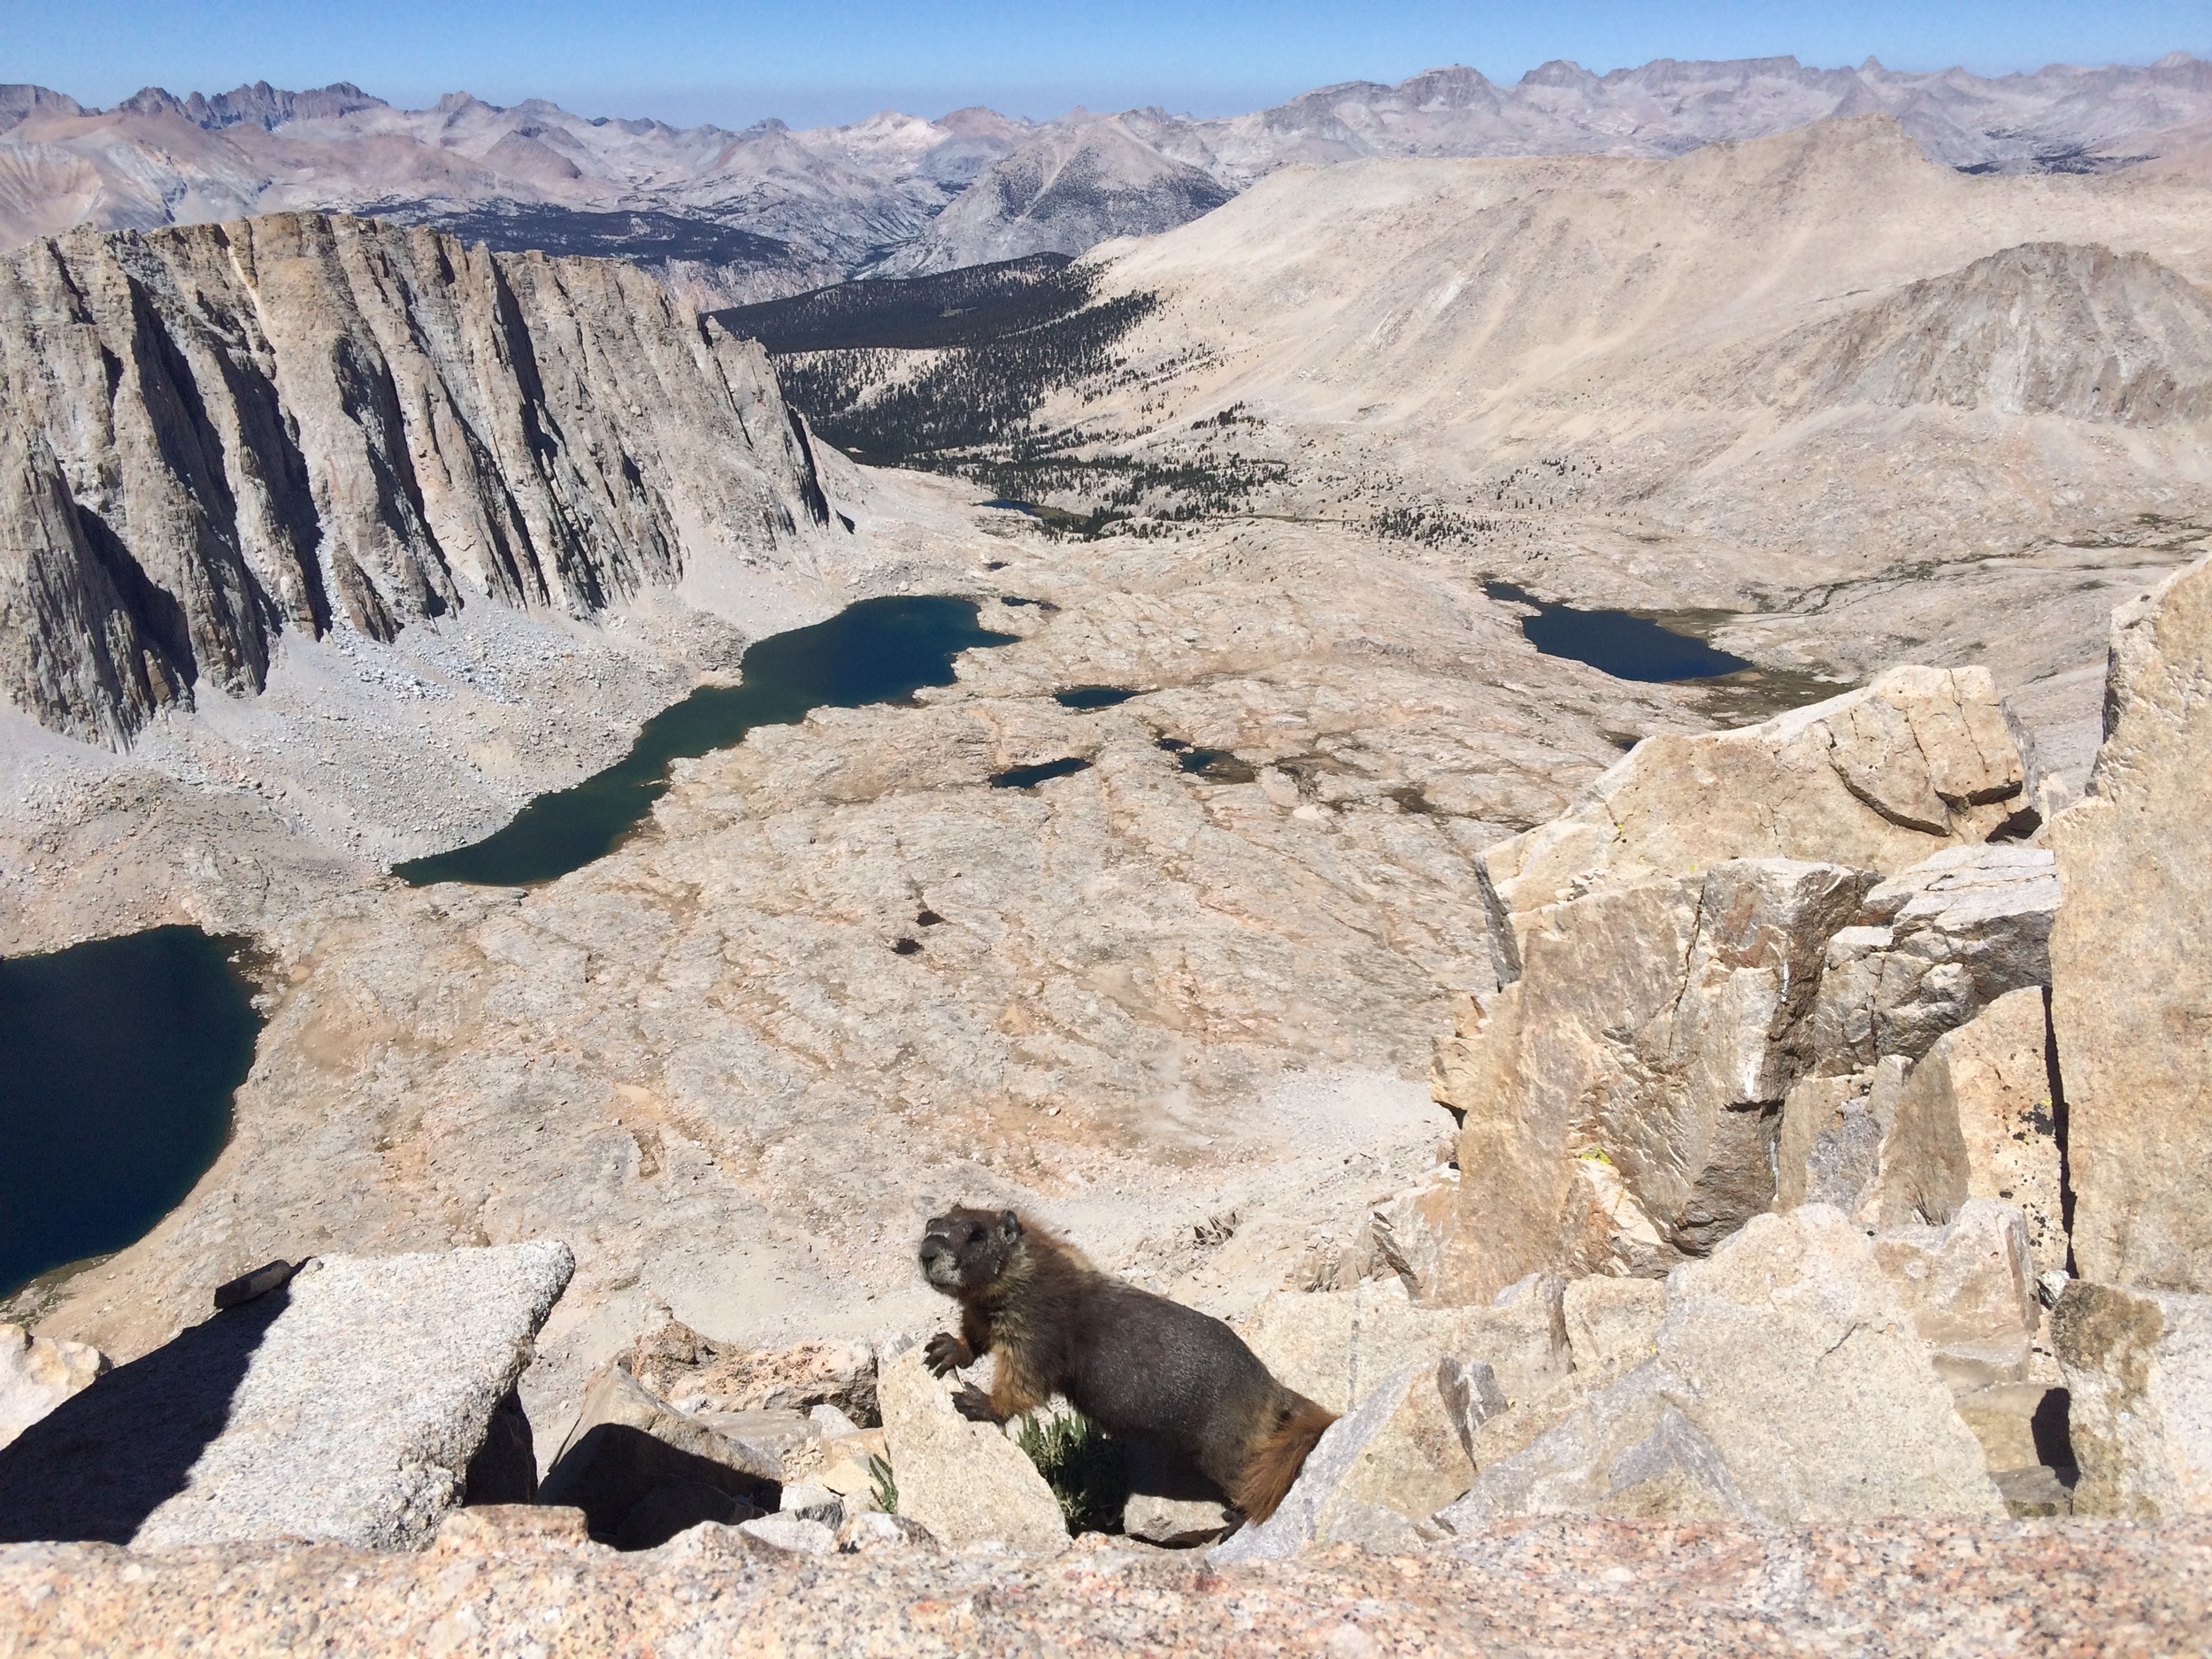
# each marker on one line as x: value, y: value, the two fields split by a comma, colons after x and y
x: 838, y: 59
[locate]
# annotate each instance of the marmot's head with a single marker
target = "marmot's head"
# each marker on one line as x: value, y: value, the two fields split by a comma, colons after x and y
x: 966, y: 1251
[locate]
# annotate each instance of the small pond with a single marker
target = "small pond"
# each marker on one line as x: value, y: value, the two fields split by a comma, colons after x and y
x: 1044, y: 771
x: 118, y: 1062
x: 1085, y: 698
x: 879, y: 650
x: 1617, y: 643
x: 1215, y: 766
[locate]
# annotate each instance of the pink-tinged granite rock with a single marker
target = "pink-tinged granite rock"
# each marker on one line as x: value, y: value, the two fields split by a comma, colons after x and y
x: 1546, y: 1588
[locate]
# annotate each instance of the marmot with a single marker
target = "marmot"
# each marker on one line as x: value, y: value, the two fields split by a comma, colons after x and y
x: 1138, y: 1364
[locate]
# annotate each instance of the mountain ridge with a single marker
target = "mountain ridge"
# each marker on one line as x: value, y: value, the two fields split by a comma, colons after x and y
x: 897, y: 194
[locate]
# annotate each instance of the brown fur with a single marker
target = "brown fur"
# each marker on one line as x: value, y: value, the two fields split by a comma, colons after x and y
x: 1143, y: 1366
x: 1274, y: 1464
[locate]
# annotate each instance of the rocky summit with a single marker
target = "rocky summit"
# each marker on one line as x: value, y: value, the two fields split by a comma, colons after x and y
x: 1533, y: 798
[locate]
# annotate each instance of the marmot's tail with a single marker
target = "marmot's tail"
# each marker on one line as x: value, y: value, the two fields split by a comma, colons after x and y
x: 1278, y: 1453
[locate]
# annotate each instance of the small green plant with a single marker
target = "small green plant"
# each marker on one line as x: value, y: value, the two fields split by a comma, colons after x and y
x: 881, y: 1485
x: 1082, y: 1465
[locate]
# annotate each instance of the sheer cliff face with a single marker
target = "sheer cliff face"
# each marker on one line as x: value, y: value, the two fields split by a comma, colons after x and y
x: 221, y: 431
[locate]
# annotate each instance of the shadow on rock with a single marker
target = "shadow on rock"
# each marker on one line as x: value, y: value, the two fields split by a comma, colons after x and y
x: 637, y: 1491
x: 105, y: 1459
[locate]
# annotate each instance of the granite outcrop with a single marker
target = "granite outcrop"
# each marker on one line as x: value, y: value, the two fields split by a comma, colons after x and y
x: 2131, y: 982
x: 1705, y: 966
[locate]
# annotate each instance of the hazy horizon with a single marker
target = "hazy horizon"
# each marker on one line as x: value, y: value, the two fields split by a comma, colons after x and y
x: 689, y: 64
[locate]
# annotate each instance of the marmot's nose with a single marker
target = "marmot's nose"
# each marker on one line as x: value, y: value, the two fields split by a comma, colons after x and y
x: 932, y: 1249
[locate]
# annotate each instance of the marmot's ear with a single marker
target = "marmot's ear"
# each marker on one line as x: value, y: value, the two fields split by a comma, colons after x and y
x: 1009, y: 1224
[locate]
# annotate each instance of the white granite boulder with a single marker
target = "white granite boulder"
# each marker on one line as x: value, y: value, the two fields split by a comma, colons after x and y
x: 1625, y: 1450
x: 1795, y: 1357
x: 1786, y: 1383
x: 1613, y: 1324
x: 1878, y: 778
x: 1336, y: 1347
x: 345, y: 1406
x: 966, y: 1482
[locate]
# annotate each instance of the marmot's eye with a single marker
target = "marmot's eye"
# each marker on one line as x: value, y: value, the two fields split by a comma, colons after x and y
x: 975, y: 1235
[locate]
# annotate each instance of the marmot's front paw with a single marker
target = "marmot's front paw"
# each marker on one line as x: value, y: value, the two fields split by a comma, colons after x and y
x: 946, y: 1353
x: 973, y: 1404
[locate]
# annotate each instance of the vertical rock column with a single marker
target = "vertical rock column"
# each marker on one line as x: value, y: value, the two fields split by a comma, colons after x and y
x: 2131, y: 976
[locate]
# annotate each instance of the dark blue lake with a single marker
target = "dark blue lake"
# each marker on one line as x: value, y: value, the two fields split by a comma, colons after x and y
x: 879, y: 650
x: 1617, y: 643
x: 118, y: 1062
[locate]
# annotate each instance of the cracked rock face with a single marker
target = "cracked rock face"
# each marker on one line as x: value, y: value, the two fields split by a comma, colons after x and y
x: 1934, y: 945
x: 2130, y: 979
x: 1673, y: 969
x: 1878, y: 778
x: 1622, y: 1100
x: 308, y: 423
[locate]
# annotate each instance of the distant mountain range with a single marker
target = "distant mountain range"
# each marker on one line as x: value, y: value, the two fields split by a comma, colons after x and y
x: 732, y: 217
